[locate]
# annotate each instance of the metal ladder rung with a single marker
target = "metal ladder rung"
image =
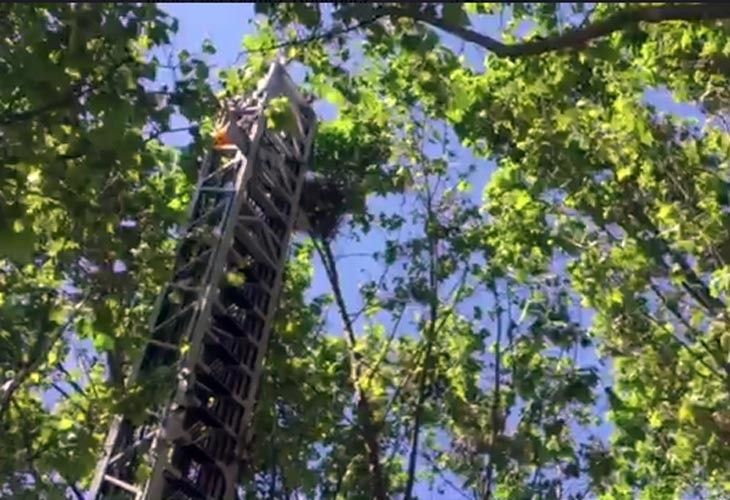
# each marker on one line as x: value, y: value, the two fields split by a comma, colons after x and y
x: 281, y: 145
x: 237, y: 362
x: 298, y: 151
x: 175, y: 316
x: 210, y: 212
x: 226, y: 166
x: 255, y: 309
x: 274, y: 167
x: 210, y: 373
x: 217, y: 189
x: 177, y: 478
x: 255, y: 342
x: 250, y: 340
x: 185, y: 288
x: 164, y: 345
x: 266, y: 203
x: 227, y: 148
x: 265, y: 227
x: 266, y: 178
x: 253, y: 247
x: 121, y: 484
x: 194, y: 261
x: 218, y: 423
x: 131, y: 447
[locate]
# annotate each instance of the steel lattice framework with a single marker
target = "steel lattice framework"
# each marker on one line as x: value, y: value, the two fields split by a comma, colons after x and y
x: 212, y: 330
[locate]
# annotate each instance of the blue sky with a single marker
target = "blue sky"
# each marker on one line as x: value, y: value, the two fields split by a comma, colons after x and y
x: 227, y: 23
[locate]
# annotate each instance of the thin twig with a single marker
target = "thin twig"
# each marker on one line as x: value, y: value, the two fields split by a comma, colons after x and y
x: 315, y: 37
x: 70, y: 380
x: 446, y: 480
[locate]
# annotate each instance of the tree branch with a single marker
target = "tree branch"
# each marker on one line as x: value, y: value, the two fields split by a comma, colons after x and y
x: 417, y: 421
x: 423, y: 387
x: 157, y: 133
x: 11, y: 386
x: 70, y: 379
x: 315, y: 37
x: 77, y: 91
x: 494, y: 416
x: 696, y: 336
x: 364, y: 410
x: 60, y: 390
x: 445, y: 479
x: 574, y: 38
x: 22, y: 116
x: 76, y: 491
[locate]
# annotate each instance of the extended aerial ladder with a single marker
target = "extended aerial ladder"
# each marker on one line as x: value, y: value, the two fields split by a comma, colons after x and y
x: 213, y: 319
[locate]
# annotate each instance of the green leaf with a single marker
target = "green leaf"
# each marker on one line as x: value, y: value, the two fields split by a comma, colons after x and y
x: 208, y: 47
x: 333, y: 95
x: 65, y: 424
x: 176, y: 204
x: 235, y: 279
x: 521, y: 199
x: 103, y: 342
x: 624, y: 173
x: 463, y: 186
x: 58, y: 315
x: 308, y: 14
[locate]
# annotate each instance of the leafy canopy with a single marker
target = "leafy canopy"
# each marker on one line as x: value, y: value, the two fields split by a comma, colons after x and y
x: 562, y: 335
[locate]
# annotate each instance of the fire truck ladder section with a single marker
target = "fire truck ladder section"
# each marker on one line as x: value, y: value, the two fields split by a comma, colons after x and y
x: 212, y: 322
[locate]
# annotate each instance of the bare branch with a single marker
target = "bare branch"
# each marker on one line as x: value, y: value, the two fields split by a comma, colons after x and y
x: 157, y: 133
x: 76, y: 491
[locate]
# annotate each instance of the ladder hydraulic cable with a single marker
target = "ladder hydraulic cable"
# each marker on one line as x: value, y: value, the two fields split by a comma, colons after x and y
x: 210, y: 329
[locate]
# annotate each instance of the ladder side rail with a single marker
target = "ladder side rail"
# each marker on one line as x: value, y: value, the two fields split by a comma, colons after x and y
x: 120, y: 424
x: 172, y: 426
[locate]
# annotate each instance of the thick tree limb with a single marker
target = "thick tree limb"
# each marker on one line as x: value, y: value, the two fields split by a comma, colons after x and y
x: 22, y: 116
x: 575, y: 38
x: 571, y: 39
